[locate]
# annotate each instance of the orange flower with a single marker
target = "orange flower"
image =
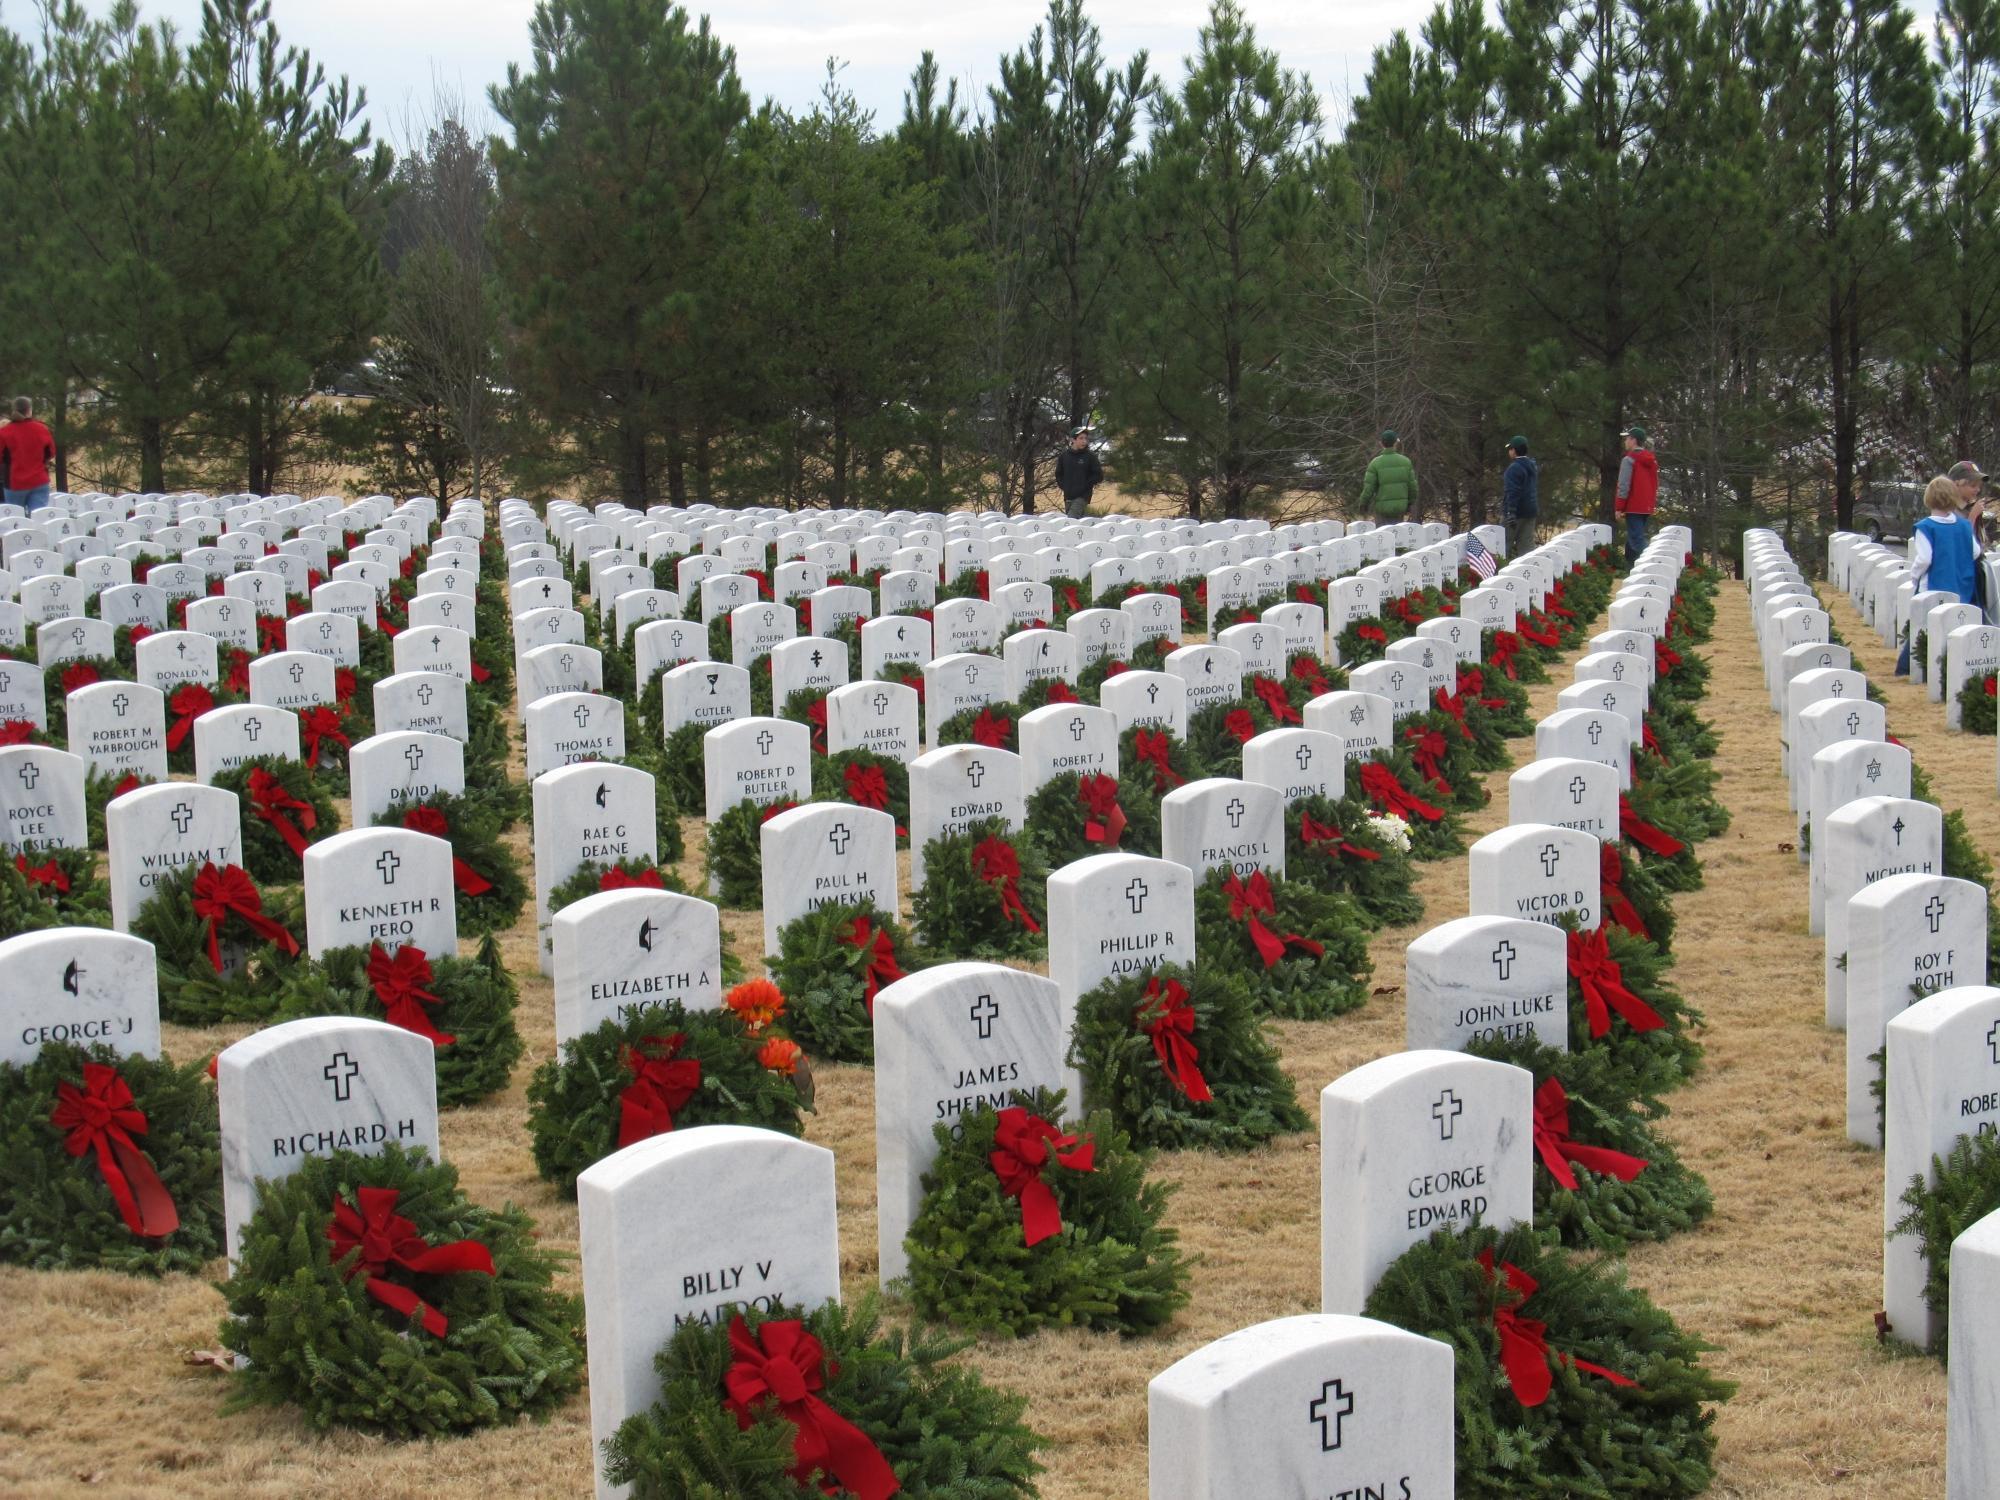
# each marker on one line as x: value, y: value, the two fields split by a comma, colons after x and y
x: 758, y: 1002
x: 780, y: 1055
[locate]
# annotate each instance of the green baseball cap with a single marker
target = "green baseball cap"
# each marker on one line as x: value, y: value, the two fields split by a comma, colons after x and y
x: 1636, y: 434
x: 1518, y: 443
x: 1388, y: 437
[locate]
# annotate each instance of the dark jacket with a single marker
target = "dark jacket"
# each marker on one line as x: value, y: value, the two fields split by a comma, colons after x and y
x: 1521, y: 488
x: 1077, y: 474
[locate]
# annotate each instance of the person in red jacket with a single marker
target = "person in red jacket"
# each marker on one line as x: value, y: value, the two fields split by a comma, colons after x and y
x: 1638, y: 490
x: 27, y: 448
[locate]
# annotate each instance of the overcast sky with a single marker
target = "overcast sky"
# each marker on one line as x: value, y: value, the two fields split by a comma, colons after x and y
x: 393, y: 48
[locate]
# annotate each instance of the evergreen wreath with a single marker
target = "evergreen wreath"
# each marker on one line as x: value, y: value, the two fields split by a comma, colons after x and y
x: 1533, y: 1335
x: 829, y: 965
x: 187, y: 703
x: 1149, y: 752
x: 1587, y: 1123
x: 1341, y: 849
x: 468, y: 1002
x: 1634, y: 896
x: 51, y: 888
x: 1678, y: 797
x: 1109, y: 1264
x: 1046, y: 690
x: 487, y: 884
x: 58, y: 1211
x: 1261, y: 932
x: 256, y: 961
x: 1507, y: 654
x: 1363, y: 641
x: 1435, y: 757
x: 590, y: 877
x: 1307, y: 678
x: 61, y: 678
x: 1643, y: 1024
x: 735, y: 854
x: 1678, y: 733
x: 285, y: 809
x: 1964, y: 1188
x: 1503, y: 704
x: 941, y: 1429
x: 679, y: 772
x: 98, y: 790
x: 1395, y: 787
x: 690, y: 1067
x: 1181, y: 1060
x: 1070, y: 817
x: 807, y: 706
x: 863, y: 778
x: 322, y: 1329
x: 1217, y: 734
x: 985, y: 894
x: 994, y: 725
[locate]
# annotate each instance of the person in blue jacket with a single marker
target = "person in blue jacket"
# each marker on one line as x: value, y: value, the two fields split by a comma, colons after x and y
x: 1520, y: 497
x: 1944, y: 545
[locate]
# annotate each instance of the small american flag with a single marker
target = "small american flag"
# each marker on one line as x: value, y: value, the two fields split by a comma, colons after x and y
x: 1478, y: 558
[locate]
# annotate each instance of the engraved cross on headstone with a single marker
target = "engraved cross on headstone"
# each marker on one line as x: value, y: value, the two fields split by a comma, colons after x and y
x: 1551, y: 856
x: 985, y: 1011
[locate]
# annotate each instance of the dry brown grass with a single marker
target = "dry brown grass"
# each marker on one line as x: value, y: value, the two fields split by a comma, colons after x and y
x: 95, y: 1396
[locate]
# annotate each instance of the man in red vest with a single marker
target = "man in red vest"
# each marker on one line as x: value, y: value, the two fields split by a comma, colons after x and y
x: 1638, y: 490
x: 27, y: 448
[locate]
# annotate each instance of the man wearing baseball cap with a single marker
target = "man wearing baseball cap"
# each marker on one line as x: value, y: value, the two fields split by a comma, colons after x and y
x: 1638, y: 490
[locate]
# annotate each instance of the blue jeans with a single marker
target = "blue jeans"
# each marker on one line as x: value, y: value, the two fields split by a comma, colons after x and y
x: 30, y: 501
x: 1635, y: 536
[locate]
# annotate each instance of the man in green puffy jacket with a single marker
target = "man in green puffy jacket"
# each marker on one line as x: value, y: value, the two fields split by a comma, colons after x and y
x: 1389, y: 490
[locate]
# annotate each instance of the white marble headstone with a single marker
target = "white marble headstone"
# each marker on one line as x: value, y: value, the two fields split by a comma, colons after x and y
x: 79, y: 985
x: 825, y: 854
x: 1223, y: 824
x: 949, y: 1041
x: 41, y: 799
x: 620, y: 951
x: 1415, y: 1142
x: 1537, y: 871
x: 1475, y: 978
x: 1111, y: 915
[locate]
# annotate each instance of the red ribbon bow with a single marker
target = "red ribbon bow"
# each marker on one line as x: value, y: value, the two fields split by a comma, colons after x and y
x: 1375, y: 633
x: 1540, y: 634
x: 1061, y: 692
x: 1506, y: 646
x: 1155, y: 747
x: 383, y: 1238
x: 867, y: 786
x: 1329, y: 840
x: 1024, y: 1144
x: 1524, y: 1342
x: 816, y: 724
x: 237, y: 678
x: 991, y: 730
x: 882, y: 966
x: 1665, y: 659
x: 1653, y: 840
x: 220, y: 890
x: 1389, y: 795
x: 1452, y: 705
x: 1603, y: 985
x: 48, y: 874
x: 80, y: 674
x: 1307, y: 671
x: 786, y: 1365
x: 270, y: 801
x: 662, y: 1082
x: 1239, y: 725
x: 320, y: 723
x: 1246, y: 901
x: 1166, y: 1015
x: 1272, y: 694
x: 421, y: 819
x: 190, y: 701
x: 1104, y: 819
x: 1558, y: 1150
x: 17, y: 732
x: 345, y: 685
x: 996, y: 862
x: 99, y: 1117
x: 399, y: 983
x: 616, y: 879
x: 1618, y: 906
x: 1428, y: 749
x: 1651, y: 741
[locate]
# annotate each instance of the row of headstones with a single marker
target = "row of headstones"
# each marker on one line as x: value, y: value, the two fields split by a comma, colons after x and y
x: 1906, y: 950
x: 1442, y: 1131
x: 1960, y: 646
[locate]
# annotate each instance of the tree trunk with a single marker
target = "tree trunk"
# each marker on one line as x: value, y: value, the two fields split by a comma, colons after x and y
x: 633, y: 478
x: 152, y: 455
x: 704, y: 464
x: 254, y: 441
x: 59, y: 429
x: 838, y: 490
x: 676, y: 469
